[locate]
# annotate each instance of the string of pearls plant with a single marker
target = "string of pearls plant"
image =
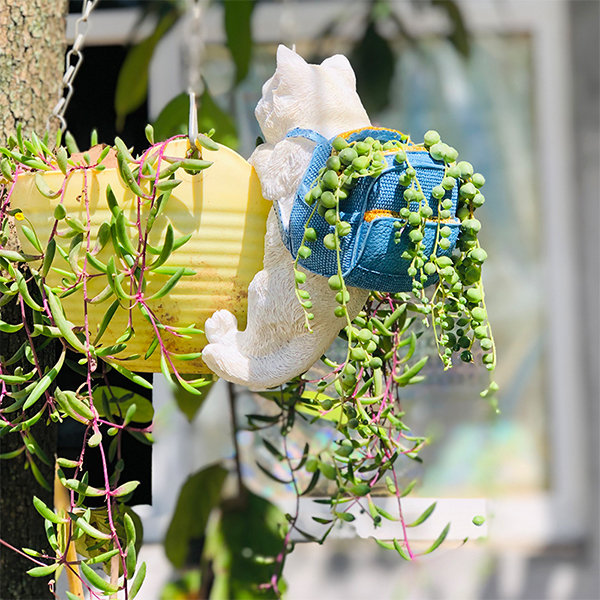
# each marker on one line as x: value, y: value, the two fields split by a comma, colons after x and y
x: 456, y: 305
x: 361, y: 395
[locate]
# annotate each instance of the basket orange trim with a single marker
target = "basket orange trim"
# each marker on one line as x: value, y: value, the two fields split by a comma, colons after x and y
x: 378, y: 213
x: 347, y: 133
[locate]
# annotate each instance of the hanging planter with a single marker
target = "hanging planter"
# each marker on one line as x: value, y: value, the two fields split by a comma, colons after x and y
x: 197, y: 222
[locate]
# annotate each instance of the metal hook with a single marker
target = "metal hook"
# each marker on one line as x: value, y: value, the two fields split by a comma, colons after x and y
x: 193, y: 120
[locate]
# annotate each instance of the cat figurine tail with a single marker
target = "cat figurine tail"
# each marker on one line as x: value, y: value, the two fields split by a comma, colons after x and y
x: 276, y: 346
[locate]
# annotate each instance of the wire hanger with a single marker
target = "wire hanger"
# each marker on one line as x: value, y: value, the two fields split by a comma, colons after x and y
x: 194, y: 51
x: 73, y: 62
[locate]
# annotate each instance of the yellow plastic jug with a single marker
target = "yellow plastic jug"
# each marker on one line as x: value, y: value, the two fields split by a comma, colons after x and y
x: 221, y: 207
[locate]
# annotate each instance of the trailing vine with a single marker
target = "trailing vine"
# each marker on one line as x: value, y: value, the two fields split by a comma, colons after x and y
x: 359, y: 395
x: 38, y: 278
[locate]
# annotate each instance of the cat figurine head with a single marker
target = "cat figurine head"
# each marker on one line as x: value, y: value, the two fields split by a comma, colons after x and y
x: 320, y: 97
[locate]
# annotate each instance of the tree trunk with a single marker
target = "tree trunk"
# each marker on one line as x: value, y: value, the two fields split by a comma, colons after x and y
x: 32, y: 46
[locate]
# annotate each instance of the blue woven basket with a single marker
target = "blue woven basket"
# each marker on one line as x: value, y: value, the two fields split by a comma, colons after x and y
x: 370, y: 256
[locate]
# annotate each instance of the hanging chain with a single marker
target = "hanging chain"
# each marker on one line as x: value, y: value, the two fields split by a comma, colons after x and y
x: 194, y: 54
x: 73, y: 62
x: 194, y: 44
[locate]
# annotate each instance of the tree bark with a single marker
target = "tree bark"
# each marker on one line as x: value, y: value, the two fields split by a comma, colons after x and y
x: 32, y: 46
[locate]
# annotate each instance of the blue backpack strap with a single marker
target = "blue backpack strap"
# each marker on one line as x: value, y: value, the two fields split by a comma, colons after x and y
x: 318, y: 139
x: 309, y: 134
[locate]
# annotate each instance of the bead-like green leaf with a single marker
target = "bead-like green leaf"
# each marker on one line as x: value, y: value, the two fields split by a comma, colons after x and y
x: 61, y: 160
x: 46, y: 512
x: 111, y: 200
x: 89, y: 529
x: 38, y: 474
x: 48, y: 257
x: 32, y: 237
x: 98, y: 265
x: 121, y: 231
x: 169, y: 285
x: 129, y: 528
x: 121, y: 147
x: 106, y: 319
x: 96, y: 580
x: 130, y: 375
x: 131, y: 558
x: 439, y: 539
x: 167, y: 185
x: 100, y: 558
x: 410, y: 372
x: 50, y: 534
x: 14, y: 256
x: 43, y: 187
x: 137, y: 581
x: 13, y: 454
x: 207, y: 142
x: 125, y: 489
x: 9, y: 327
x: 43, y: 571
x: 384, y: 544
x: 44, y: 383
x: 67, y: 463
x: 166, y: 250
x: 424, y: 516
x: 23, y: 289
x: 195, y: 164
x: 83, y: 489
x: 70, y: 403
x: 127, y: 175
x: 70, y: 143
x: 400, y: 550
x: 61, y: 322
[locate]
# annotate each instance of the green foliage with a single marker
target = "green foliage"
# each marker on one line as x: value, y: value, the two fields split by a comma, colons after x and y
x: 360, y: 396
x: 118, y: 401
x: 455, y: 304
x: 373, y: 61
x: 187, y: 586
x: 243, y: 544
x: 245, y: 537
x: 132, y: 84
x: 458, y: 35
x: 199, y: 495
x: 190, y: 404
x: 238, y: 27
x: 173, y: 119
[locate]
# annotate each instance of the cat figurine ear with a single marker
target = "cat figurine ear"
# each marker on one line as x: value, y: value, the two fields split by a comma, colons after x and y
x: 276, y: 346
x: 341, y: 64
x: 289, y: 59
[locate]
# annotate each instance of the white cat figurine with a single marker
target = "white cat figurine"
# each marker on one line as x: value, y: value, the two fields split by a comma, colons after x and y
x: 276, y: 346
